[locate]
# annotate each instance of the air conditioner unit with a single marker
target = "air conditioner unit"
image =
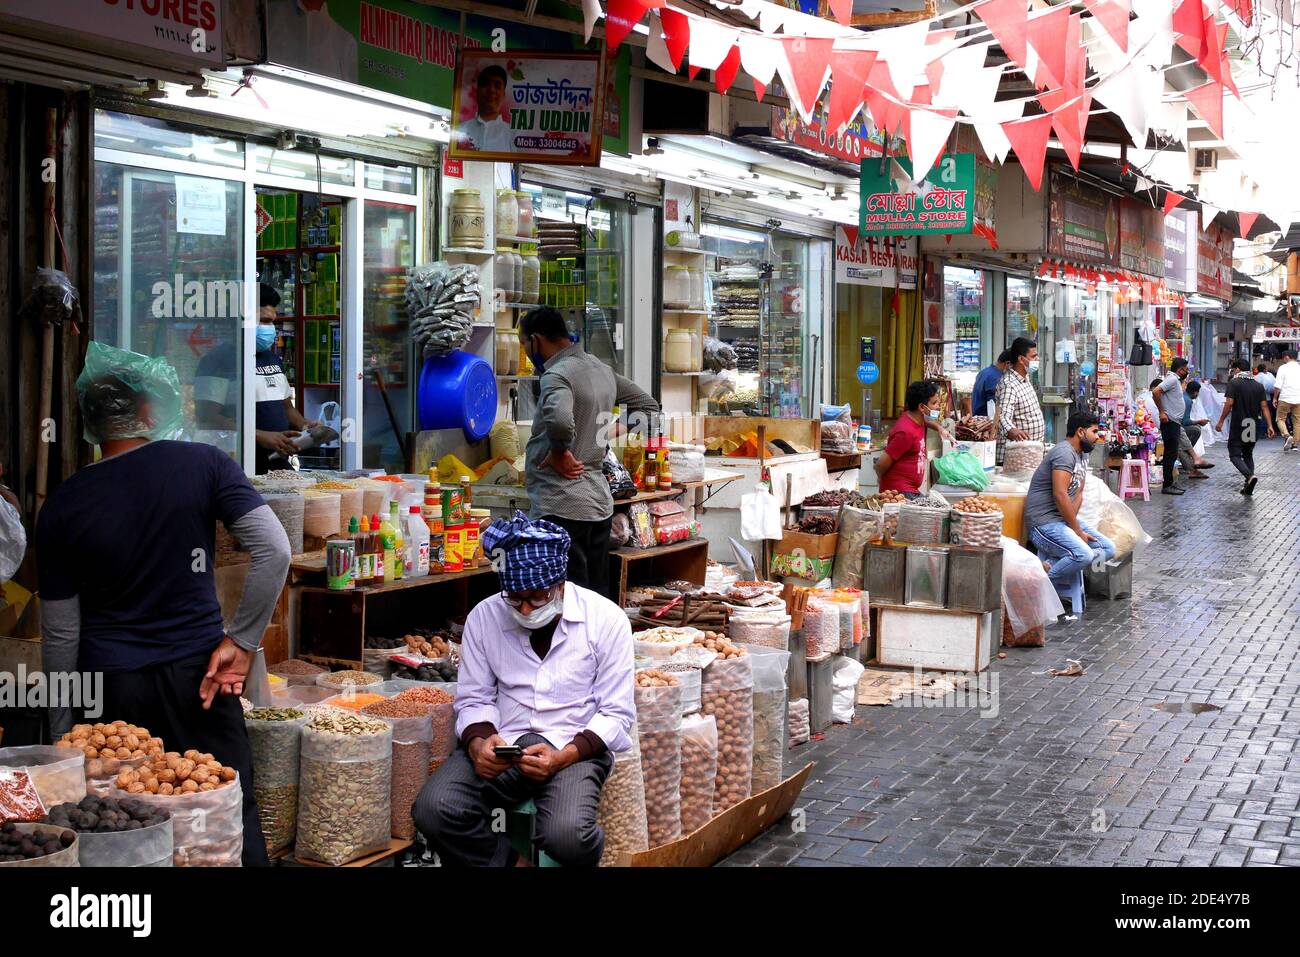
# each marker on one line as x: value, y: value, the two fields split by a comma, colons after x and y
x: 1206, y: 160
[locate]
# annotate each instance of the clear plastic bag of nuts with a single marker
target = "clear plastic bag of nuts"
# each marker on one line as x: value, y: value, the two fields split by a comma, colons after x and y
x: 621, y: 813
x: 345, y: 795
x: 411, y: 741
x: 769, y: 669
x: 727, y: 693
x: 658, y: 725
x: 275, y: 744
x: 699, y: 770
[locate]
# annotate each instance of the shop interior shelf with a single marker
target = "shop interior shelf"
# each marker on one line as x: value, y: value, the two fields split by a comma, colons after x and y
x: 504, y: 240
x: 682, y: 373
x: 468, y: 252
x: 291, y: 251
x: 516, y: 305
x: 322, y: 249
x: 687, y: 312
x: 687, y: 250
x: 681, y: 561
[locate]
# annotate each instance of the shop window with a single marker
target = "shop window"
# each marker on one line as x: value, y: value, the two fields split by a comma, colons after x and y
x: 387, y: 357
x: 167, y: 282
x: 304, y: 164
x: 1021, y: 320
x: 152, y: 137
x: 391, y: 179
x: 963, y: 303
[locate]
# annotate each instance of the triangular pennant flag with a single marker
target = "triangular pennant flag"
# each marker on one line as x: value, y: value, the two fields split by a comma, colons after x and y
x: 1225, y: 71
x: 904, y: 52
x: 921, y: 96
x: 843, y: 10
x: 1216, y: 37
x: 851, y: 234
x: 929, y: 134
x: 1076, y: 59
x: 1173, y: 201
x: 1113, y: 19
x: 809, y: 60
x: 1209, y: 213
x: 968, y: 84
x: 677, y: 34
x: 1151, y: 35
x: 1127, y: 94
x: 620, y: 17
x: 993, y: 141
x: 711, y: 41
x: 725, y: 74
x: 1244, y: 222
x: 772, y: 17
x: 692, y: 71
x: 1029, y: 140
x: 590, y: 14
x: 1208, y: 102
x: 1189, y: 27
x: 1244, y: 9
x: 1045, y: 33
x: 1008, y: 21
x: 1142, y: 183
x: 849, y: 72
x: 934, y: 75
x: 656, y: 49
x: 759, y: 56
x: 759, y: 89
x: 883, y: 99
x: 1069, y: 121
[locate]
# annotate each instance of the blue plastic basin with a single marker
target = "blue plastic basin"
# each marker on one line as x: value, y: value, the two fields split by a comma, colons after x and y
x: 458, y: 391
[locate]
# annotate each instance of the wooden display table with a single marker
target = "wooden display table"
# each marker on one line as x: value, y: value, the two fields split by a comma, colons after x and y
x: 394, y: 848
x: 681, y: 561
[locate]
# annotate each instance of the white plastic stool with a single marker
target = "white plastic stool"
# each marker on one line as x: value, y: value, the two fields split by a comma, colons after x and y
x: 1133, y: 479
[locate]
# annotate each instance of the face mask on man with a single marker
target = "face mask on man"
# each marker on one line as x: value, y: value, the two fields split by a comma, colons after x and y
x: 1033, y: 366
x: 265, y: 337
x: 539, y: 617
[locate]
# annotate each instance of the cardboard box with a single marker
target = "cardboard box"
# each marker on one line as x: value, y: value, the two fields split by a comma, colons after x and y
x: 985, y: 452
x: 802, y: 555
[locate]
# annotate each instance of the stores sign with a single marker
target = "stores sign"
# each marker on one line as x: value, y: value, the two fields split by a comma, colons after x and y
x: 870, y: 261
x: 1214, y: 262
x: 860, y: 138
x: 171, y: 33
x: 942, y: 203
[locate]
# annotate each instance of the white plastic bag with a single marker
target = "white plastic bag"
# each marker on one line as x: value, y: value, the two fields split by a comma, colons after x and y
x: 1121, y: 526
x: 760, y: 515
x: 844, y: 685
x: 1096, y: 493
x: 1027, y: 592
x: 13, y: 540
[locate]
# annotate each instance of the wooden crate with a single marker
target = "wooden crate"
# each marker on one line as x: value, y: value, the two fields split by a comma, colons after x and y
x: 681, y: 561
x: 936, y: 639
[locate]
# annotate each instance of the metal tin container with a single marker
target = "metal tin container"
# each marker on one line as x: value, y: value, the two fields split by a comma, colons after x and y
x: 821, y: 690
x: 885, y: 573
x: 974, y: 578
x: 927, y: 576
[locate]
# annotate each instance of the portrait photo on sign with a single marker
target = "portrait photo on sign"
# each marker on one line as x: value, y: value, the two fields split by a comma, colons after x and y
x: 526, y: 106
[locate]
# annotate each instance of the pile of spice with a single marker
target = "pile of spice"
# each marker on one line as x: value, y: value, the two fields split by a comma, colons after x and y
x: 818, y: 525
x: 346, y: 679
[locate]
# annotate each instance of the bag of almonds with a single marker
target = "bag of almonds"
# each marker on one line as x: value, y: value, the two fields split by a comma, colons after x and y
x: 345, y: 788
x: 727, y: 693
x: 699, y: 770
x: 274, y: 735
x: 658, y: 725
x: 412, y: 724
x: 769, y: 668
x: 621, y: 813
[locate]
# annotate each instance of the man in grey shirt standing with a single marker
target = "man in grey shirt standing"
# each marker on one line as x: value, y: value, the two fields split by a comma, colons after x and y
x: 576, y: 397
x: 1169, y: 400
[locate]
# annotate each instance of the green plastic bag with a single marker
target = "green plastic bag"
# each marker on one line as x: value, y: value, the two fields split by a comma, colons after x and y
x: 962, y: 469
x: 148, y: 407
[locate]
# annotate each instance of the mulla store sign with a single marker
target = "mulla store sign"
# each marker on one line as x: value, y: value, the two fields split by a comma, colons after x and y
x: 176, y: 34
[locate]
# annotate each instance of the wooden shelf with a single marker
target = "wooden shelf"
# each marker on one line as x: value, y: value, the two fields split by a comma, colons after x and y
x: 518, y: 240
x: 687, y: 250
x: 394, y: 848
x: 686, y: 312
x: 688, y: 561
x: 402, y: 585
x: 468, y: 251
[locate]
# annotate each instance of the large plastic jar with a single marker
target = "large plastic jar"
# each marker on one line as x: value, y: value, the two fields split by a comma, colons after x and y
x: 679, y: 350
x: 532, y: 279
x: 677, y: 288
x: 696, y: 274
x: 507, y: 214
x: 525, y: 223
x: 467, y: 218
x: 518, y: 262
x: 503, y: 274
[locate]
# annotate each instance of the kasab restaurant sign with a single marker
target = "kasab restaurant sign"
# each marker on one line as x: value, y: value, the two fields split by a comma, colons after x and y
x: 873, y: 260
x: 170, y: 33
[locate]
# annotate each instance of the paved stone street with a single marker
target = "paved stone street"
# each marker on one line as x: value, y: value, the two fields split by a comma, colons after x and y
x: 1083, y: 771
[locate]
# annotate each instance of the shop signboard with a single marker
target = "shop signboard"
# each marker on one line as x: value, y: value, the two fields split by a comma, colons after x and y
x: 171, y: 34
x: 870, y: 261
x: 1083, y: 222
x: 942, y: 203
x: 528, y: 107
x: 1214, y: 262
x: 1176, y: 233
x: 1141, y: 237
x: 409, y: 49
x: 1275, y: 334
x: 860, y: 139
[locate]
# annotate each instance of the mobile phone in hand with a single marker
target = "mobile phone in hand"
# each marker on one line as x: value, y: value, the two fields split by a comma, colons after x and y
x: 508, y: 751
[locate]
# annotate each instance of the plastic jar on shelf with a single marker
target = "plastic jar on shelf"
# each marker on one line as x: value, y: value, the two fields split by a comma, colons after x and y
x: 503, y: 274
x: 696, y: 275
x: 677, y: 288
x: 525, y: 222
x: 679, y: 349
x: 467, y: 218
x: 507, y: 214
x: 532, y: 279
x: 517, y: 290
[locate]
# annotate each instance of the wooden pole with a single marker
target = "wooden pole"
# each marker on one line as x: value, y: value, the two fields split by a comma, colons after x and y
x: 47, y: 341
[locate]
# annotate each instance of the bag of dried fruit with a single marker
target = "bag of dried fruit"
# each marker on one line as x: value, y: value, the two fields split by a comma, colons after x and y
x: 412, y: 725
x: 727, y: 693
x: 699, y: 770
x: 658, y: 724
x: 621, y: 813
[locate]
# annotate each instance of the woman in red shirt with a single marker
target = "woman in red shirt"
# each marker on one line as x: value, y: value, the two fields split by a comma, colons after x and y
x: 901, y: 467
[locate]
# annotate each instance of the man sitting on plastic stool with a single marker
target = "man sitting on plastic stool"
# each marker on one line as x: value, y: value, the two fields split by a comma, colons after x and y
x: 1067, y: 545
x: 545, y: 694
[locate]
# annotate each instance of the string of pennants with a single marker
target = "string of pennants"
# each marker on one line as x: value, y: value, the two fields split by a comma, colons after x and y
x: 1151, y: 290
x: 919, y: 80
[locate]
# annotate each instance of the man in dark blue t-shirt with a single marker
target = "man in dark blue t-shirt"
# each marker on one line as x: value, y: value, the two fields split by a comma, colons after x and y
x: 125, y: 550
x: 216, y: 387
x: 986, y: 384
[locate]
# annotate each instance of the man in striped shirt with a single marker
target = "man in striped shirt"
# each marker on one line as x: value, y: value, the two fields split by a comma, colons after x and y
x: 1020, y: 415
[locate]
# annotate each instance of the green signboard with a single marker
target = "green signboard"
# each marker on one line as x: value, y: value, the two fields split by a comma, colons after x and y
x: 409, y: 49
x: 893, y: 205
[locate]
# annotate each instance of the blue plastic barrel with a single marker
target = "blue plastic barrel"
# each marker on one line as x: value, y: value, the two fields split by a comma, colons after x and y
x: 458, y: 391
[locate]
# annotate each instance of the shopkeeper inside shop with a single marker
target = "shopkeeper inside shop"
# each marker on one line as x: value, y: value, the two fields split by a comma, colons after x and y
x: 901, y: 467
x: 123, y: 593
x: 217, y: 385
x: 545, y: 694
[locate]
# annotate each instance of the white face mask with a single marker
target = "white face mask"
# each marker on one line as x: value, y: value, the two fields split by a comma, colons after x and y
x: 539, y: 617
x: 1033, y: 366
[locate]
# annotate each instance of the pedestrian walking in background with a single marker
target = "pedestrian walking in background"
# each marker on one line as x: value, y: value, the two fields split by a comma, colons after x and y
x: 1246, y: 404
x: 1169, y: 400
x: 1287, y: 387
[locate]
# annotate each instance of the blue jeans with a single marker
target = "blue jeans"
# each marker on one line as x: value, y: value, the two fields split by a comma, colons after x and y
x: 1068, y: 553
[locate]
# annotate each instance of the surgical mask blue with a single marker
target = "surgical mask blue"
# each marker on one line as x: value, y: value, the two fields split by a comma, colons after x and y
x: 265, y: 337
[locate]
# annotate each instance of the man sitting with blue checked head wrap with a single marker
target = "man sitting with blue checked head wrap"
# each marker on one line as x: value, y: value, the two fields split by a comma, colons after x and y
x: 544, y: 695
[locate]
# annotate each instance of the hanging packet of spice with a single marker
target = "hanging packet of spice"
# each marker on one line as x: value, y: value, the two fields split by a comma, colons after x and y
x: 18, y: 798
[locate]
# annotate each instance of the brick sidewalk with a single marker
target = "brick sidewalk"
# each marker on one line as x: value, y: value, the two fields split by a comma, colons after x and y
x: 1083, y: 771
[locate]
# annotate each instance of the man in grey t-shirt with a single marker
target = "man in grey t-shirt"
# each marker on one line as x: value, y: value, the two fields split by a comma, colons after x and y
x: 1168, y: 396
x: 1066, y: 545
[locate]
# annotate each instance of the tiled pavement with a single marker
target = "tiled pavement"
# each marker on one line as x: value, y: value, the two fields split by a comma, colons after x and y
x: 1083, y: 771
